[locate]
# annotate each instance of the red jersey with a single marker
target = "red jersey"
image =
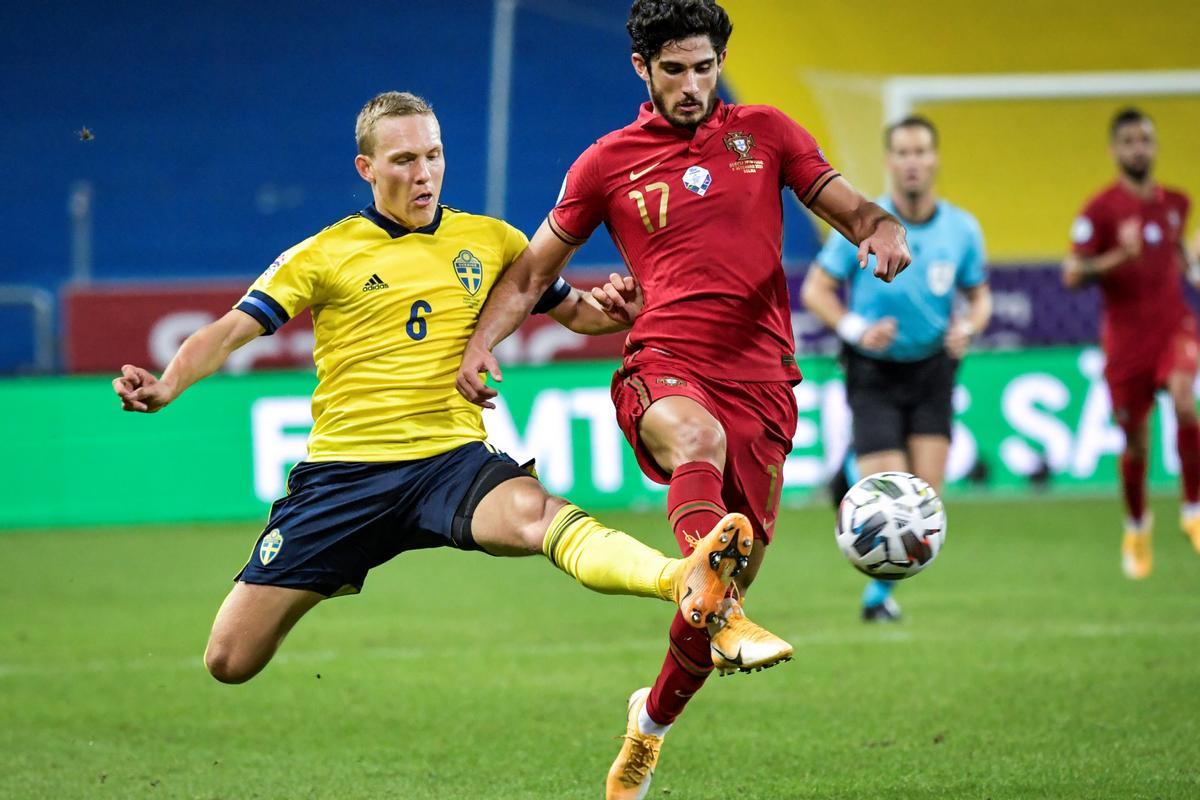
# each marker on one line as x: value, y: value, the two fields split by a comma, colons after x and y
x: 1143, y: 298
x: 698, y: 218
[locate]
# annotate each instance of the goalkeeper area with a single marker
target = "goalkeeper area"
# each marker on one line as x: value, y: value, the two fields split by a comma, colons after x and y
x: 1026, y: 666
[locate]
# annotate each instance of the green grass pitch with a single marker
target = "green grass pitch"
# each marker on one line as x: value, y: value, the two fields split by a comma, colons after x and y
x: 1026, y: 667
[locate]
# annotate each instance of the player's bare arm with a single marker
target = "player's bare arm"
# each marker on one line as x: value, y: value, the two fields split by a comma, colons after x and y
x: 605, y: 309
x: 199, y: 356
x: 875, y: 231
x: 963, y: 330
x: 821, y: 296
x: 1080, y: 270
x: 508, y: 305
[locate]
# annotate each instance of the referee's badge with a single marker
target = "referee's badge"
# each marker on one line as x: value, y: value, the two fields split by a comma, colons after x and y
x: 697, y: 179
x: 272, y: 543
x: 941, y: 277
x: 469, y: 270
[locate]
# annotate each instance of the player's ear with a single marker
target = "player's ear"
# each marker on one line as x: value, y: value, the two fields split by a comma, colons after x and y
x: 640, y: 66
x: 365, y: 170
x: 721, y: 59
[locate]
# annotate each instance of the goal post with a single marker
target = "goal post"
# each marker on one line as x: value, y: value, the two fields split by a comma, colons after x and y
x: 1021, y: 151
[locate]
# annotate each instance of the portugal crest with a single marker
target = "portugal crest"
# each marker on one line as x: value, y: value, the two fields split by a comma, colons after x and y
x: 742, y: 145
x: 469, y: 270
x: 272, y: 543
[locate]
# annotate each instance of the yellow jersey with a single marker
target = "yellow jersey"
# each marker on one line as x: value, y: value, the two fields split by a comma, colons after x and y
x: 392, y: 311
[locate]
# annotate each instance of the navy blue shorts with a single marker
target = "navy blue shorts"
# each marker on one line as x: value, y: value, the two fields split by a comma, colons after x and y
x: 340, y: 519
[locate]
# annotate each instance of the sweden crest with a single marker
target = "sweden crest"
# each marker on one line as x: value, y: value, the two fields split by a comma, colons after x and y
x: 469, y: 270
x: 272, y: 543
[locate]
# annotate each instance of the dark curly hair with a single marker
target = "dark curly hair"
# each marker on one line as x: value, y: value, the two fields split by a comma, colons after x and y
x: 655, y: 23
x: 1125, y: 117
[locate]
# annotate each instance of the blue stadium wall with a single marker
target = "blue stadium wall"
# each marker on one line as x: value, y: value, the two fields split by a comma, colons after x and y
x: 224, y: 133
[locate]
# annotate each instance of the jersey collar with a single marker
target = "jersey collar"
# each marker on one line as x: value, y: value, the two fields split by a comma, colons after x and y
x: 889, y: 205
x: 1156, y: 195
x: 651, y: 120
x: 395, y: 229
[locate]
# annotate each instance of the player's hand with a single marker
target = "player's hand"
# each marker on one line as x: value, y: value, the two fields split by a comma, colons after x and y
x: 140, y: 391
x: 889, y: 244
x: 621, y: 298
x: 477, y: 360
x: 1129, y: 237
x: 958, y: 339
x: 880, y: 335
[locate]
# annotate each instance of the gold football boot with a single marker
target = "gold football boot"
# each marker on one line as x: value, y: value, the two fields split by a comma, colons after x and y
x: 739, y: 645
x: 629, y: 777
x: 703, y: 577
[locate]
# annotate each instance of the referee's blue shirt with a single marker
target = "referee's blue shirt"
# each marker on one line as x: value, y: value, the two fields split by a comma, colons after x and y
x: 948, y: 255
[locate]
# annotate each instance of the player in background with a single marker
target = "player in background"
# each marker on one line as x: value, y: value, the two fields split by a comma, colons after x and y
x: 397, y: 460
x: 690, y: 193
x: 1129, y: 239
x: 903, y: 341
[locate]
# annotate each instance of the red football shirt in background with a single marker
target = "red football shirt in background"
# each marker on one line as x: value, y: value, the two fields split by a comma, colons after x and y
x: 1144, y: 305
x: 698, y: 218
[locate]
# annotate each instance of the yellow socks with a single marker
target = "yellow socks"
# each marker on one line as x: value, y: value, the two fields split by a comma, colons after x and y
x: 606, y: 560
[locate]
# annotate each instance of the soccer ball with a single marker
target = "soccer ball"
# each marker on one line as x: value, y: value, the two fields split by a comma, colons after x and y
x: 891, y: 525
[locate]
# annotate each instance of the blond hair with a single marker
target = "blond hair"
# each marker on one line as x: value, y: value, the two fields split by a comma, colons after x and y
x: 388, y: 104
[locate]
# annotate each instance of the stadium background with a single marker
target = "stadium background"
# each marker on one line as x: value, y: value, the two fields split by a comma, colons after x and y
x: 1025, y: 667
x: 218, y: 137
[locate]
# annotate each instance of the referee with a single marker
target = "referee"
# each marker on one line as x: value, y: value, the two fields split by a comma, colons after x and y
x: 904, y: 340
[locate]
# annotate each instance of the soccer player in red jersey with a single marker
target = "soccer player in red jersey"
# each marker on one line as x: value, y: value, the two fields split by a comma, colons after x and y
x: 690, y: 192
x: 1129, y: 240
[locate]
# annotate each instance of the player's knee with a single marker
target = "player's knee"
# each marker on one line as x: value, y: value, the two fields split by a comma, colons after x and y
x: 227, y: 666
x: 699, y: 440
x: 531, y: 510
x: 1137, y: 444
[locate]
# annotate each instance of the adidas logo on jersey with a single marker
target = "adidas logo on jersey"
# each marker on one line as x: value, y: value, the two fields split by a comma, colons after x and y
x: 375, y: 284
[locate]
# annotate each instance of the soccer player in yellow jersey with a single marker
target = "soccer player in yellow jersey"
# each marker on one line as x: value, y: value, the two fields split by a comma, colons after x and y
x: 397, y: 459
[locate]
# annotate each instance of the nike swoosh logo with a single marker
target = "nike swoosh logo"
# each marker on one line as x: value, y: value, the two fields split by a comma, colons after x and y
x: 633, y: 176
x: 735, y: 659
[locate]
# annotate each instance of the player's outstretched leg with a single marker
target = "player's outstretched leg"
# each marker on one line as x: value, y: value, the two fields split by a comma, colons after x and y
x: 629, y: 777
x: 613, y: 562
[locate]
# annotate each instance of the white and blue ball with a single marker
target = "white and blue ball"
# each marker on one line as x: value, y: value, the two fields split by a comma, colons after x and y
x: 891, y: 525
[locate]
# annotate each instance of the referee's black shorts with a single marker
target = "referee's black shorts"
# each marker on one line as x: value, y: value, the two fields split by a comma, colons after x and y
x: 893, y: 400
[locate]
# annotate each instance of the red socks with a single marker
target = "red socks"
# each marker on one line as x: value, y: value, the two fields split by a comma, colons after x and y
x: 694, y: 507
x: 694, y: 504
x: 1133, y: 484
x: 684, y: 670
x: 1187, y: 440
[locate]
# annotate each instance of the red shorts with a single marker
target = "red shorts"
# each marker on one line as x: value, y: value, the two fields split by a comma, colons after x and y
x: 1133, y: 395
x: 759, y: 421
